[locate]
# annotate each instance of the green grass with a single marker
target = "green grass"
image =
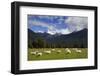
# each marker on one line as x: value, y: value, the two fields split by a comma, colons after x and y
x: 54, y: 55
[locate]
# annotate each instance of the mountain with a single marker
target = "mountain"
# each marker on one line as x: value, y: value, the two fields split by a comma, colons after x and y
x: 75, y: 39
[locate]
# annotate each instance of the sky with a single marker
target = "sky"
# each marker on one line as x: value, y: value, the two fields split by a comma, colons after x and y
x: 56, y: 24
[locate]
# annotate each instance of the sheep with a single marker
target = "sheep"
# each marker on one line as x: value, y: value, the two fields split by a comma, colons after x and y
x: 68, y: 51
x: 75, y: 49
x: 39, y: 54
x: 34, y: 53
x: 53, y: 49
x: 47, y: 52
x: 59, y: 51
x: 78, y: 51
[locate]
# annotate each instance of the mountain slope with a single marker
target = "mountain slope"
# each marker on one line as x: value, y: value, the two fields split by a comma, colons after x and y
x: 75, y: 39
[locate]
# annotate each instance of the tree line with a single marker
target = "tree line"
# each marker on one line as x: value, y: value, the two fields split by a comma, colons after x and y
x: 42, y: 43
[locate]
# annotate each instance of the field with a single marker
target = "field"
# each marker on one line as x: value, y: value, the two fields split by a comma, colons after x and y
x: 54, y: 55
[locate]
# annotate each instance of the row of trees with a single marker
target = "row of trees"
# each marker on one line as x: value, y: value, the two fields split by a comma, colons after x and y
x: 41, y: 43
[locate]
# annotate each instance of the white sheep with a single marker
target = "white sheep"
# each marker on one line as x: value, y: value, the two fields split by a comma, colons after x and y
x: 68, y: 51
x: 53, y: 49
x: 33, y: 53
x: 75, y: 49
x: 78, y: 51
x: 59, y: 51
x: 39, y: 54
x: 47, y: 52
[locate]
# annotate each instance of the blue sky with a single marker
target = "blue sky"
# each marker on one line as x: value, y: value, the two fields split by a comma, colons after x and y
x: 56, y: 24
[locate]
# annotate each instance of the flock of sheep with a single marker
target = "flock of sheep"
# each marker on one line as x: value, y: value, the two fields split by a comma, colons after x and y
x: 67, y: 51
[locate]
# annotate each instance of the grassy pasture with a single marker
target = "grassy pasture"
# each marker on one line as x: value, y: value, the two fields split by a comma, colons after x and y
x: 54, y: 55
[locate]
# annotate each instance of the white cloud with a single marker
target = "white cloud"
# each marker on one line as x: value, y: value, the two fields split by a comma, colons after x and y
x: 51, y: 32
x: 73, y: 24
x: 51, y: 28
x: 76, y: 23
x: 40, y: 31
x: 47, y: 17
x: 42, y: 24
x: 65, y: 31
x: 61, y: 31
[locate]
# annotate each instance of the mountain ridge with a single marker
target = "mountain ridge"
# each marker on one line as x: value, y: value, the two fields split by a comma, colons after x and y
x: 74, y: 39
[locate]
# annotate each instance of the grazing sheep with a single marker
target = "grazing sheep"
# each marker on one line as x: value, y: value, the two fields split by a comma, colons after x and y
x: 59, y: 51
x: 78, y: 51
x: 75, y: 49
x: 34, y: 53
x: 47, y: 52
x: 53, y: 49
x: 68, y: 51
x: 39, y: 54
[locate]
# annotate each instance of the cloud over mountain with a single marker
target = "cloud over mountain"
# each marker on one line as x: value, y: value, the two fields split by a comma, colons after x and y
x: 57, y: 24
x: 76, y: 23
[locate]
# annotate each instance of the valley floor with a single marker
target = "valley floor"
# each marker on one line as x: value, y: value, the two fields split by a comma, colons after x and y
x: 56, y: 53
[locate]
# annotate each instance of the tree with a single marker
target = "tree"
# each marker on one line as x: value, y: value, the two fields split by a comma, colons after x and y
x: 39, y: 43
x: 30, y: 44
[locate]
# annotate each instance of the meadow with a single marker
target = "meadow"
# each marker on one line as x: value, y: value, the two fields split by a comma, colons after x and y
x: 55, y: 54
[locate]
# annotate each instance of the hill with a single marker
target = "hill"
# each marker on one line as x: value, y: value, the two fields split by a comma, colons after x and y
x: 75, y: 39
